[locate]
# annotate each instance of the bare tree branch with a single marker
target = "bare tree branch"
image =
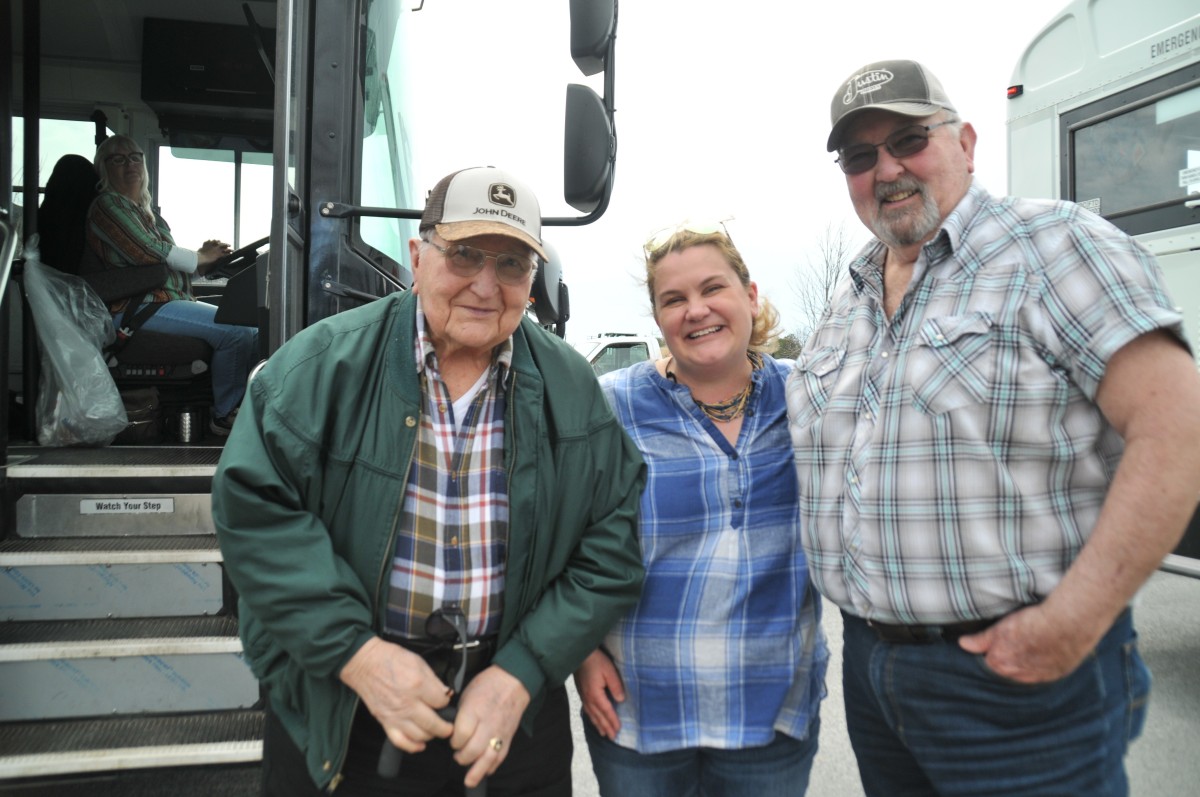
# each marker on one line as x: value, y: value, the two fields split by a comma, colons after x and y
x: 813, y: 284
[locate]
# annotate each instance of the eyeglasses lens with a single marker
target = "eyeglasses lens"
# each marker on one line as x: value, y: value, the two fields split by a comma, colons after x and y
x: 906, y: 141
x: 449, y: 626
x: 121, y: 160
x: 467, y: 261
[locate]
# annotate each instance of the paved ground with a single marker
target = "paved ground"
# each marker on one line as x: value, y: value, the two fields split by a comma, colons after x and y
x: 1165, y: 762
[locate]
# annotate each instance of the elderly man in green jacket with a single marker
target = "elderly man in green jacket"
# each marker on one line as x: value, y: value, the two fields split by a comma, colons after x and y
x: 428, y: 469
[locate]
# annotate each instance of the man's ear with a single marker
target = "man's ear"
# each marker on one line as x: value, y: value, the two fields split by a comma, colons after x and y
x: 414, y: 257
x: 967, y: 137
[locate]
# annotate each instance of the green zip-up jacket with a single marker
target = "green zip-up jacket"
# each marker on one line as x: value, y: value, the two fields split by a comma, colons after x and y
x: 309, y: 491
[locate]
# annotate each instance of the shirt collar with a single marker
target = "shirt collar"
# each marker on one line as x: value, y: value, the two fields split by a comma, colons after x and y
x: 867, y: 267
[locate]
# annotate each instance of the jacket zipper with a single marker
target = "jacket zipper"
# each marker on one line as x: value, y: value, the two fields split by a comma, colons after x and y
x: 383, y: 569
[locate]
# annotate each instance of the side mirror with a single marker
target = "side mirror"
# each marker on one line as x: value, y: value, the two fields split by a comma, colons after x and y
x: 589, y: 148
x: 593, y: 28
x: 590, y: 142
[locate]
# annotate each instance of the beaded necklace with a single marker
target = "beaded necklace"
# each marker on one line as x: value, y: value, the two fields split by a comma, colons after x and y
x: 732, y: 407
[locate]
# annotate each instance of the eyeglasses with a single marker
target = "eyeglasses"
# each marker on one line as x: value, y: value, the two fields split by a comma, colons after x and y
x: 467, y: 261
x: 663, y: 237
x: 121, y: 160
x: 448, y: 625
x: 907, y: 141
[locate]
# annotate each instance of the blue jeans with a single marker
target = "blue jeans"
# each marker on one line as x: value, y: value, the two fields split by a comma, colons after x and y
x: 935, y: 720
x: 235, y: 348
x: 780, y: 769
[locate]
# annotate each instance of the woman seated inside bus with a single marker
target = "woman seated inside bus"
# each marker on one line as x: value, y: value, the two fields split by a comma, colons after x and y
x: 124, y: 230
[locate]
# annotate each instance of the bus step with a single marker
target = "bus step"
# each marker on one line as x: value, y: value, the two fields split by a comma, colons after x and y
x: 114, y: 514
x: 102, y: 667
x: 97, y: 577
x: 61, y: 551
x: 40, y: 749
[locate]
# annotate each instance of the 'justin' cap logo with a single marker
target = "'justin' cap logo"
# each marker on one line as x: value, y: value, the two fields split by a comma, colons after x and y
x: 866, y: 83
x: 502, y: 194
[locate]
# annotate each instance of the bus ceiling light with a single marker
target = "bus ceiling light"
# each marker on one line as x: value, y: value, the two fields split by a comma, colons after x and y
x: 1015, y: 91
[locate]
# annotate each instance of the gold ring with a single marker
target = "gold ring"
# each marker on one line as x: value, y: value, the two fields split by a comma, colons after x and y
x: 496, y: 743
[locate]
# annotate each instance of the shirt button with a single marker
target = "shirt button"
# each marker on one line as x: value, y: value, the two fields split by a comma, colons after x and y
x: 410, y: 421
x: 454, y: 540
x: 883, y: 354
x: 442, y: 408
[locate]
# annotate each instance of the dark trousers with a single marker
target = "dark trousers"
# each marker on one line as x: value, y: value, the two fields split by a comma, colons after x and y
x: 536, y: 766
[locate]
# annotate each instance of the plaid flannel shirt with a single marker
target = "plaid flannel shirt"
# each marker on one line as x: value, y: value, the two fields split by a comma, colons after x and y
x: 952, y: 459
x: 725, y: 646
x: 452, y: 543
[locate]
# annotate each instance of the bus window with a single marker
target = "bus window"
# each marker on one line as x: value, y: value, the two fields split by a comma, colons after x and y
x: 58, y: 137
x: 386, y: 151
x: 197, y: 194
x: 1142, y: 157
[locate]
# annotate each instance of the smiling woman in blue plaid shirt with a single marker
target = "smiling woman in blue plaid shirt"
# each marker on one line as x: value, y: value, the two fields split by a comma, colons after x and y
x: 712, y: 683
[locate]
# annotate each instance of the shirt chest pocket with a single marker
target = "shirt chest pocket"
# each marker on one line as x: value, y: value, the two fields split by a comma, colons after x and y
x: 811, y: 384
x: 952, y: 364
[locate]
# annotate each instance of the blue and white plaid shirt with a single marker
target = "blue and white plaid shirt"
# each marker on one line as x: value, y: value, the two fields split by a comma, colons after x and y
x: 952, y: 460
x: 725, y: 646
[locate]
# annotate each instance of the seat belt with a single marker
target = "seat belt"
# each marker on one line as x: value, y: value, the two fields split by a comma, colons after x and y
x: 132, y: 321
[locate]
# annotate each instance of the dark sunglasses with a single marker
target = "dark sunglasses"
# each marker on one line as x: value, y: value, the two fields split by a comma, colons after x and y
x: 907, y: 141
x: 448, y: 625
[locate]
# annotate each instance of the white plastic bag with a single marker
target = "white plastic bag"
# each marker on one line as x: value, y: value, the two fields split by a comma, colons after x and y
x: 78, y: 402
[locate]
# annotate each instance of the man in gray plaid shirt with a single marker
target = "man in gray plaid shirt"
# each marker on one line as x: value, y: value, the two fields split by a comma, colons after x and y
x: 997, y: 435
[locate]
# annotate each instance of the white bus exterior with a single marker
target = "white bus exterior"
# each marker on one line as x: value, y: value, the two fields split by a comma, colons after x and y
x: 1104, y: 110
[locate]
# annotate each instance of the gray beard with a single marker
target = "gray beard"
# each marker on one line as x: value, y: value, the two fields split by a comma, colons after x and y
x: 906, y: 229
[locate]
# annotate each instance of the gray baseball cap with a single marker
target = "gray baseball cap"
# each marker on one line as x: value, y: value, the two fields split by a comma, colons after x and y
x: 903, y: 87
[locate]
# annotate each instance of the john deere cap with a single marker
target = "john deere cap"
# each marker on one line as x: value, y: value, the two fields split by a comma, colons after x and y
x: 484, y: 200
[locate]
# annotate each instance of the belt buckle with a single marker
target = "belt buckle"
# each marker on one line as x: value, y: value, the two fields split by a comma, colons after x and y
x: 469, y: 645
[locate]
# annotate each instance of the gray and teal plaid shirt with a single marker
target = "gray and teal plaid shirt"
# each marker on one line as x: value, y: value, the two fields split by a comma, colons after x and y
x: 952, y: 460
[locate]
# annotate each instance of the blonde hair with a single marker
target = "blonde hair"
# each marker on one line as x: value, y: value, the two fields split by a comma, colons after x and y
x: 104, y: 150
x: 765, y: 330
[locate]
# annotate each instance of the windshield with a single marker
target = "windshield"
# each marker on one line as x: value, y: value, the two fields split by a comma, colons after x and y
x: 386, y: 153
x: 440, y: 95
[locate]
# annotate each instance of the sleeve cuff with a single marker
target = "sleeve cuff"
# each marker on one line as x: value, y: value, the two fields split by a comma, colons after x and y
x: 184, y: 260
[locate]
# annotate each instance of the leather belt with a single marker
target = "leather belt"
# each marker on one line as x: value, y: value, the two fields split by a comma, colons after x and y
x: 927, y: 634
x: 443, y: 658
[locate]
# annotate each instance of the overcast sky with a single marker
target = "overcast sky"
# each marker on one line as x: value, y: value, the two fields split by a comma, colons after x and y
x: 723, y: 109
